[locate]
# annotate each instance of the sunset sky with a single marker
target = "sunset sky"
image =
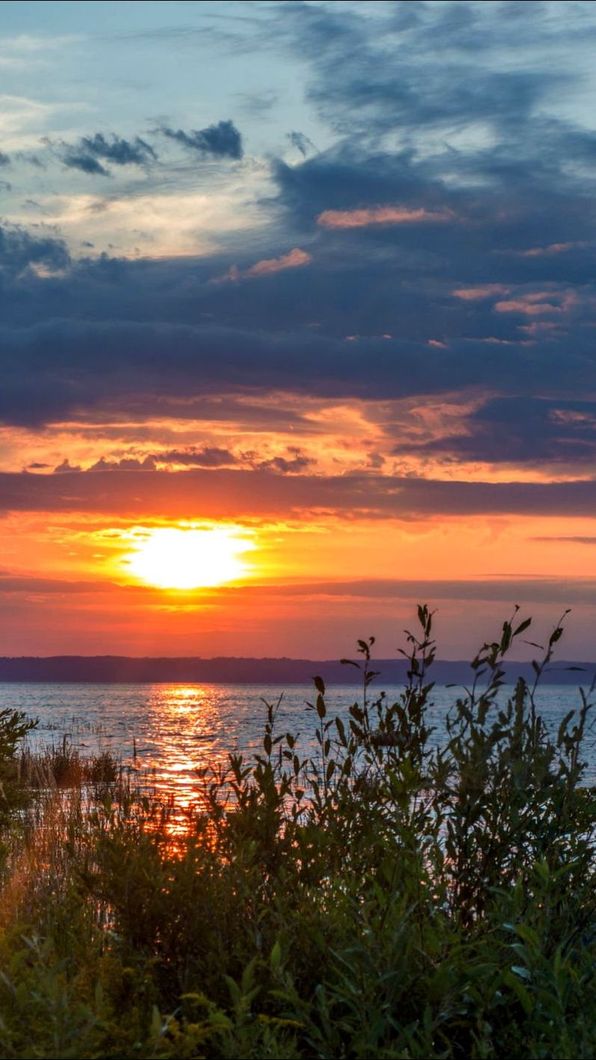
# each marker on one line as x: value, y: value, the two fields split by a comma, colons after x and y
x: 314, y: 285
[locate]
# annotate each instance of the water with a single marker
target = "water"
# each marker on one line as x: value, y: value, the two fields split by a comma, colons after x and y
x: 167, y: 731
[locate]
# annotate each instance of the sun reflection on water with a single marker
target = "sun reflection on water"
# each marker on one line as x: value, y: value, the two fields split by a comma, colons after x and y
x: 165, y: 735
x: 185, y: 723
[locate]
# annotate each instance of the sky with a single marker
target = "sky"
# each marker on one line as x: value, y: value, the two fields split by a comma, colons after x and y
x: 317, y: 279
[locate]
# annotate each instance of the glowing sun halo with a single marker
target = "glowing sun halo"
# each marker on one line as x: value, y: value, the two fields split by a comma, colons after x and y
x: 173, y: 558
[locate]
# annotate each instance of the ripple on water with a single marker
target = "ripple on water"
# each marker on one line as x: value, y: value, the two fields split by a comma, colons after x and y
x: 172, y: 730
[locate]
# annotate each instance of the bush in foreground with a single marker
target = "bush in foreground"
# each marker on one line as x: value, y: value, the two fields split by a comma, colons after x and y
x: 384, y: 897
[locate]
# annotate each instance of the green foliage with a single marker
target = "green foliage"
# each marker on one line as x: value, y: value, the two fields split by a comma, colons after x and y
x: 385, y: 896
x: 14, y: 726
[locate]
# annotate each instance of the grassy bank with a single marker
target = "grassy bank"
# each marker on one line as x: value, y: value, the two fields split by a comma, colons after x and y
x: 380, y: 898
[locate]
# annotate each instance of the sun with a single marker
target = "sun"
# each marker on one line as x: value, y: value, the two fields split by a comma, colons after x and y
x: 188, y: 558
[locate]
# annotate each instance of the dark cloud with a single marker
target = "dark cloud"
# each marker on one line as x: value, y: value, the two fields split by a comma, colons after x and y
x: 137, y: 335
x: 64, y: 366
x: 126, y: 463
x: 209, y: 456
x: 20, y: 248
x: 522, y: 430
x: 524, y: 591
x: 301, y: 142
x: 91, y: 151
x: 75, y: 159
x: 221, y: 140
x: 372, y: 77
x: 224, y: 493
x: 117, y: 150
x: 65, y: 467
x: 493, y: 310
x: 470, y: 124
x: 293, y: 464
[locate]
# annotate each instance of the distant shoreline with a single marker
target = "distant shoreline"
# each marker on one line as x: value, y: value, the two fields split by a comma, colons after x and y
x: 112, y: 669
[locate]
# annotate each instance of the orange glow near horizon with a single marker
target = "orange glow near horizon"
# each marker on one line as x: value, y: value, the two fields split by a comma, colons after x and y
x: 188, y: 558
x: 303, y: 586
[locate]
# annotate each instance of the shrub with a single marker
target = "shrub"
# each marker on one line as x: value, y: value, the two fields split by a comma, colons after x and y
x: 382, y: 896
x: 14, y: 726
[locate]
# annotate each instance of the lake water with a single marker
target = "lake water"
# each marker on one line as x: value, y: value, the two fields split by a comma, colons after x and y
x: 167, y: 731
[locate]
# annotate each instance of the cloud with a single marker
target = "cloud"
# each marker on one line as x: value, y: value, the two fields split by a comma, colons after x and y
x: 222, y: 140
x: 21, y: 249
x: 48, y: 376
x: 139, y: 336
x: 551, y: 248
x: 538, y: 590
x: 451, y: 208
x: 86, y: 155
x: 563, y: 591
x: 10, y: 583
x: 127, y: 463
x: 522, y: 430
x: 65, y: 467
x: 301, y: 142
x: 573, y: 539
x: 381, y: 215
x: 294, y: 259
x: 375, y: 77
x: 75, y: 159
x: 480, y: 292
x: 537, y: 303
x: 209, y: 456
x: 227, y: 493
x: 259, y: 103
x: 493, y: 312
x: 23, y: 117
x: 117, y: 150
x: 295, y: 464
x: 25, y: 51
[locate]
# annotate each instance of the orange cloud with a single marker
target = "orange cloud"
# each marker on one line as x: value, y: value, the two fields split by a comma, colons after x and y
x: 551, y: 248
x: 530, y: 309
x: 530, y: 303
x: 540, y: 327
x: 538, y: 303
x: 294, y: 259
x: 381, y: 215
x: 479, y: 292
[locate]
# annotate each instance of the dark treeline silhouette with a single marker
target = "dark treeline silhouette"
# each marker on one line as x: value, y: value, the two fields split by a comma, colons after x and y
x: 221, y: 670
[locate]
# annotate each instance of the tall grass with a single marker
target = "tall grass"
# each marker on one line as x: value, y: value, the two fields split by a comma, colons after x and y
x: 382, y: 897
